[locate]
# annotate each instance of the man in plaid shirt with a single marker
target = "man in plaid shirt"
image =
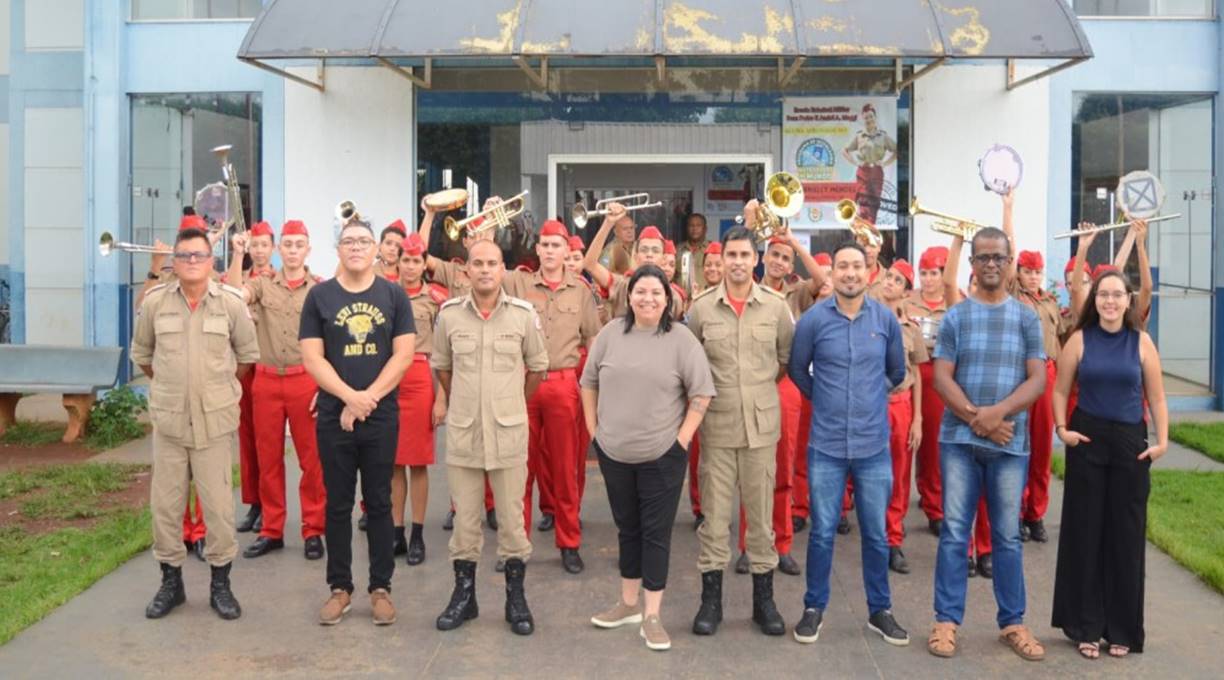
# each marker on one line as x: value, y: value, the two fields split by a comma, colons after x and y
x: 989, y: 368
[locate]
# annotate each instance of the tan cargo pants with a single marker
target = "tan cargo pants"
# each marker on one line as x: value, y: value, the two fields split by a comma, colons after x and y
x: 467, y: 491
x: 175, y: 467
x: 720, y: 472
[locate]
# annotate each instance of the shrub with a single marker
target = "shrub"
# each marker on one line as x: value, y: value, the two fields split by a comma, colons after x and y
x: 113, y: 420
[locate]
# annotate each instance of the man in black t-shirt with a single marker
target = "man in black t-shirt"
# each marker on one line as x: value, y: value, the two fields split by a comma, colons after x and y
x: 357, y: 338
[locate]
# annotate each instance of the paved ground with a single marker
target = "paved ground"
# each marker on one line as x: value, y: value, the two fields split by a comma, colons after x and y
x: 103, y: 633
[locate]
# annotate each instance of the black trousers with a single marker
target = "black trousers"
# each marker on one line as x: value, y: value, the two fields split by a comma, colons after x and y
x: 644, y: 498
x: 1098, y: 581
x: 370, y: 450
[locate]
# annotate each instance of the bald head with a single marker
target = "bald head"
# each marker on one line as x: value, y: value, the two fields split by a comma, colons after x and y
x: 485, y: 250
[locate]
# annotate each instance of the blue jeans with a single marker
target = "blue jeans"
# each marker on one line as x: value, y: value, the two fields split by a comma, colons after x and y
x: 872, y: 489
x: 968, y: 471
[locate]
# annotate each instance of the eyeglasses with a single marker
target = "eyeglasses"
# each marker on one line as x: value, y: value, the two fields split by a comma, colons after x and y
x: 991, y: 258
x: 193, y: 256
x: 1112, y: 294
x: 358, y: 243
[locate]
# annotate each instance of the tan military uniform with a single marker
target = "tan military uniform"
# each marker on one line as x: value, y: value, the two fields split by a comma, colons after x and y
x: 279, y: 317
x: 1054, y: 324
x: 696, y: 265
x: 919, y: 310
x: 617, y: 257
x: 486, y: 423
x: 741, y: 428
x: 193, y: 403
x: 425, y: 305
x: 454, y: 277
x: 875, y: 286
x: 798, y: 296
x: 618, y: 298
x: 568, y: 314
x: 915, y: 353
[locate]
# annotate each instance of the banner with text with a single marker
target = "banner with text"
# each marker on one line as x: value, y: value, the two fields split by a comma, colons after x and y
x: 842, y: 148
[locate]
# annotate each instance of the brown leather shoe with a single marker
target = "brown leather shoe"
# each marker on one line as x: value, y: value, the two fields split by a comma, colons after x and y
x: 384, y: 611
x: 335, y: 608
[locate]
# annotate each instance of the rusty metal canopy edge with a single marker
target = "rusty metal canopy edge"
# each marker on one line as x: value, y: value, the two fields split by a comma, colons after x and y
x: 912, y: 29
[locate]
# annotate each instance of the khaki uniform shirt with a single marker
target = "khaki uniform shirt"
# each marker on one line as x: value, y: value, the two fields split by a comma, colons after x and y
x: 193, y: 397
x: 1054, y: 325
x: 278, y: 317
x: 919, y: 310
x: 568, y: 314
x: 915, y: 353
x: 425, y: 305
x: 618, y: 298
x: 486, y: 424
x: 454, y: 277
x: 617, y: 257
x: 875, y: 286
x: 798, y: 296
x: 746, y: 353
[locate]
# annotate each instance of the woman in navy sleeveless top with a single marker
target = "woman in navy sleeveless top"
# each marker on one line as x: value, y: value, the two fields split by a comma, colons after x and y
x: 1098, y: 583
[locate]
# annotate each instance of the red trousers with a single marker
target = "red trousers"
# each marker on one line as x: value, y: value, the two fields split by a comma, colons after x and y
x: 1041, y: 445
x: 552, y: 452
x: 900, y: 419
x: 193, y: 527
x: 282, y: 398
x: 694, y: 488
x: 584, y: 437
x: 930, y: 491
x: 800, y: 492
x: 248, y: 457
x: 784, y: 531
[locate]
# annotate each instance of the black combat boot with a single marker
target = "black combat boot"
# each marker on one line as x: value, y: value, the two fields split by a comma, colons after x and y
x: 517, y: 613
x: 462, y: 604
x: 764, y: 611
x: 710, y: 614
x: 220, y: 597
x: 170, y: 595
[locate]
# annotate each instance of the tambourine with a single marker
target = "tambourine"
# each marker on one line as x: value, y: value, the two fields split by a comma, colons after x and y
x: 1140, y: 194
x: 1001, y: 169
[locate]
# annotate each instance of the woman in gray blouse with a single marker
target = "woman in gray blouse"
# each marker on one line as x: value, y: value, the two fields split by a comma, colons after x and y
x: 645, y: 389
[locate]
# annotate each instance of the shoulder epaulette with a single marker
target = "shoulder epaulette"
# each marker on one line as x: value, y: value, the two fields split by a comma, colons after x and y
x: 776, y: 293
x: 438, y: 293
x: 155, y: 289
x: 519, y: 302
x: 453, y: 302
x: 704, y: 293
x: 236, y: 292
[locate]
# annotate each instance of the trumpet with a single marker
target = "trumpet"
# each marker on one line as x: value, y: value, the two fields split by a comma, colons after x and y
x: 346, y: 212
x: 865, y: 233
x: 783, y: 200
x: 494, y: 217
x: 945, y: 223
x: 1115, y: 225
x: 580, y: 216
x: 108, y: 245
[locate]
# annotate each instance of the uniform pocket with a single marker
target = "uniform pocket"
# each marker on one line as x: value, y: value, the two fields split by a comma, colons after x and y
x: 768, y: 419
x: 463, y: 351
x: 220, y: 403
x: 168, y: 411
x: 511, y: 417
x: 168, y: 335
x: 216, y: 334
x: 507, y: 355
x: 459, y: 432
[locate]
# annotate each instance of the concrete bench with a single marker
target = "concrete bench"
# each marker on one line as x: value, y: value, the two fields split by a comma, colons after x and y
x: 75, y: 372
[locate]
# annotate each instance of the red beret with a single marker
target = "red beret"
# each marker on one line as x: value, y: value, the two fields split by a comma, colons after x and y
x: 780, y: 241
x: 1070, y: 266
x: 669, y: 247
x: 1030, y: 259
x: 261, y: 229
x: 1103, y: 269
x: 824, y: 259
x: 399, y: 226
x: 575, y: 243
x: 905, y: 269
x: 413, y: 245
x: 193, y: 222
x: 294, y: 228
x: 935, y: 257
x: 553, y: 228
x: 524, y: 268
x: 650, y: 232
x: 714, y: 248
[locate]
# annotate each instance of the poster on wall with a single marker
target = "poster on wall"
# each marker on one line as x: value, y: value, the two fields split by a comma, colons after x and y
x: 730, y: 185
x: 842, y: 148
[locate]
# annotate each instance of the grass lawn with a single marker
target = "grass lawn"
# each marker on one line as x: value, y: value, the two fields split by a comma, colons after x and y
x: 1206, y: 438
x: 30, y: 433
x: 1185, y: 519
x: 70, y: 525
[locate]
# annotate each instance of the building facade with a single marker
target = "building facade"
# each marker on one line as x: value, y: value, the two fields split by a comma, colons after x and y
x: 109, y: 111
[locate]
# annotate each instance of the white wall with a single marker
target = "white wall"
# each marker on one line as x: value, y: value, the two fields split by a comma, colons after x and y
x: 352, y: 142
x: 54, y: 225
x: 54, y: 25
x: 959, y: 112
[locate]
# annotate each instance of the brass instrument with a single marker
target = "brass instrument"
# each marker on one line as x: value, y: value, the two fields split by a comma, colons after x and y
x: 446, y: 200
x: 1115, y: 225
x: 580, y: 216
x: 687, y: 276
x: 108, y: 245
x: 783, y: 200
x: 234, y: 217
x: 865, y: 233
x: 346, y: 212
x: 494, y: 217
x: 945, y: 223
x: 929, y: 326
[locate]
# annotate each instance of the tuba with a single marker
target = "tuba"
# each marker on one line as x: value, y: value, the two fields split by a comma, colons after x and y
x: 783, y: 200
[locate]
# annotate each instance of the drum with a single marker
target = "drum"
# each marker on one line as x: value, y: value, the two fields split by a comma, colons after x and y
x: 1001, y: 169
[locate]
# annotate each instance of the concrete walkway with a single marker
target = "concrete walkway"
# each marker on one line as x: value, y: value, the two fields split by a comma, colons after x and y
x: 103, y: 632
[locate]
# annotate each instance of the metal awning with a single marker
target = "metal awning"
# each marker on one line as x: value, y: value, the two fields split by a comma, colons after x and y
x: 396, y: 33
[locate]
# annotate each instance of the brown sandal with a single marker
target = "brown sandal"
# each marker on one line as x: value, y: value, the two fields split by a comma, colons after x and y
x: 942, y: 642
x: 1022, y: 642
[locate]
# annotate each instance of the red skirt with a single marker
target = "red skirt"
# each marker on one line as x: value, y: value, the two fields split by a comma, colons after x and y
x: 416, y: 431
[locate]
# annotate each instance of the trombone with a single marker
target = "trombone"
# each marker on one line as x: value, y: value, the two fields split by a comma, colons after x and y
x: 107, y: 245
x: 1115, y: 225
x: 866, y: 234
x: 945, y: 223
x: 783, y: 200
x: 580, y: 216
x: 494, y: 217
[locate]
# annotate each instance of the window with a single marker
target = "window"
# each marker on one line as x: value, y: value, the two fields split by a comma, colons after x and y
x: 184, y: 10
x: 1145, y: 8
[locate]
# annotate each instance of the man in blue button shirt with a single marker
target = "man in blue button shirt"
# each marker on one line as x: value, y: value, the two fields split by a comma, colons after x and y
x: 854, y: 344
x: 989, y: 368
